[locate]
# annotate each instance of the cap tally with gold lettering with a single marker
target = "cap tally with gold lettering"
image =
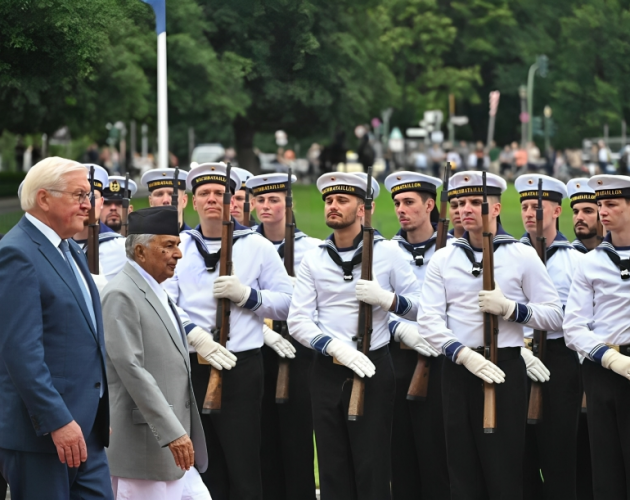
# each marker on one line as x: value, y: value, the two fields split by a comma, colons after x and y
x: 404, y: 181
x: 243, y: 174
x: 159, y: 178
x: 341, y: 183
x: 101, y: 179
x: 610, y: 186
x: 211, y: 173
x: 376, y: 189
x: 580, y: 192
x: 470, y: 183
x: 269, y: 183
x: 552, y: 189
x: 116, y: 189
x: 162, y: 220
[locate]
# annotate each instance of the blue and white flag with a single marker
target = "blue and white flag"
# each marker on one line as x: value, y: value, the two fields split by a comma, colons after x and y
x: 159, y: 6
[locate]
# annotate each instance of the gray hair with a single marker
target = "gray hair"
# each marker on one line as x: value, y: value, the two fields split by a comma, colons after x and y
x: 136, y: 239
x: 49, y: 173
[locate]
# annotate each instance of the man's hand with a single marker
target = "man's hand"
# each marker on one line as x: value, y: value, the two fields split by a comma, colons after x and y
x: 409, y: 335
x: 480, y: 366
x: 536, y: 370
x: 494, y: 302
x: 370, y: 292
x: 282, y: 346
x: 617, y: 362
x: 213, y: 352
x: 70, y: 444
x: 183, y: 453
x: 229, y: 287
x: 348, y: 356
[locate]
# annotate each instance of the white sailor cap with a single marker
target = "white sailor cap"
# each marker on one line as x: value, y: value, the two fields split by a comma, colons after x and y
x: 101, y: 179
x: 401, y: 182
x: 163, y: 178
x: 610, y: 186
x: 211, y: 173
x: 243, y: 174
x: 116, y: 189
x: 345, y: 183
x: 470, y: 183
x: 552, y: 189
x: 269, y: 183
x: 376, y: 189
x: 580, y: 192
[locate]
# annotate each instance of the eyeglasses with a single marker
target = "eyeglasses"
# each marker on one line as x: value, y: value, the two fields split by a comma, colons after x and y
x: 78, y: 197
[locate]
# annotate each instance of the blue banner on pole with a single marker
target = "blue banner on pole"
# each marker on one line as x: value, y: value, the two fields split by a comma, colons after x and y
x: 159, y: 6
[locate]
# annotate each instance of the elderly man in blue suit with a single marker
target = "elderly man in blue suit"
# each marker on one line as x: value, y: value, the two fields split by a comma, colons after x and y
x: 54, y: 415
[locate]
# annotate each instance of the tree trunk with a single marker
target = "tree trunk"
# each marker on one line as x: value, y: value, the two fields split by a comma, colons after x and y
x: 244, y: 140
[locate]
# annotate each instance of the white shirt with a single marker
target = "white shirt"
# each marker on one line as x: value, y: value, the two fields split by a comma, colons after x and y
x: 325, y: 307
x: 256, y: 264
x: 598, y: 305
x: 301, y: 245
x: 111, y: 252
x: 450, y: 317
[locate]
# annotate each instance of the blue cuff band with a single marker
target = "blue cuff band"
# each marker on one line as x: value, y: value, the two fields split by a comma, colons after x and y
x: 522, y: 313
x: 254, y: 301
x: 598, y: 353
x: 451, y: 349
x: 320, y: 343
x: 392, y: 327
x: 188, y: 327
x: 403, y: 306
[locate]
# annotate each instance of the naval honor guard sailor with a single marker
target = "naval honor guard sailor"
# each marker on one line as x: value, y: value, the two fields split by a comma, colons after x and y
x: 159, y: 182
x: 111, y: 215
x: 585, y: 216
x: 451, y: 311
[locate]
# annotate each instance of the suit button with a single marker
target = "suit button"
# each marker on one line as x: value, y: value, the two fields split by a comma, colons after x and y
x: 187, y: 404
x: 97, y: 385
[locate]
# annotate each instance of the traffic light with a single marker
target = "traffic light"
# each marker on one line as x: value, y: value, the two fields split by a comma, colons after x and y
x: 543, y: 65
x: 537, y: 126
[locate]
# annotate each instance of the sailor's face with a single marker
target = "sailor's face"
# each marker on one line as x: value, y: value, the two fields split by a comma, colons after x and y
x: 237, y: 205
x: 411, y: 211
x: 270, y: 207
x: 111, y: 215
x: 470, y: 212
x: 164, y: 196
x: 342, y: 210
x: 208, y: 201
x: 585, y: 220
x: 614, y: 214
x: 453, y: 213
x: 551, y: 211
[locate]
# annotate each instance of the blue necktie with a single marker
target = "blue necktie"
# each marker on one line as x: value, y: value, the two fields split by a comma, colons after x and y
x: 65, y: 248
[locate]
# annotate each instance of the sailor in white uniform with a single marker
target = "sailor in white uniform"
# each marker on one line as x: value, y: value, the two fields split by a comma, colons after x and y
x: 287, y: 428
x: 160, y: 182
x: 551, y: 444
x: 111, y: 215
x: 354, y: 458
x: 111, y: 245
x: 452, y: 302
x: 596, y: 326
x: 238, y: 200
x: 419, y: 466
x: 260, y: 288
x: 585, y: 217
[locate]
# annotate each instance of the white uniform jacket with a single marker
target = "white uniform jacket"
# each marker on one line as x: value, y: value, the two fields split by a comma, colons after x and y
x: 302, y: 244
x: 599, y: 303
x: 111, y: 251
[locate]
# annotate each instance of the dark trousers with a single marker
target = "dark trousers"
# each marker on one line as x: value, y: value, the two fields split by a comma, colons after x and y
x: 485, y: 466
x: 37, y: 476
x: 3, y: 488
x: 608, y: 410
x: 584, y: 468
x: 354, y: 460
x: 287, y: 454
x: 233, y: 435
x: 419, y: 466
x: 551, y: 445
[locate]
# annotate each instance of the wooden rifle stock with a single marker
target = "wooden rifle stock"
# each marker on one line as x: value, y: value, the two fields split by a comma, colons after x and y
x: 357, y: 396
x: 124, y: 218
x: 282, y: 383
x: 539, y: 344
x: 247, y: 210
x: 419, y: 385
x: 490, y: 321
x: 93, y: 230
x: 212, y: 401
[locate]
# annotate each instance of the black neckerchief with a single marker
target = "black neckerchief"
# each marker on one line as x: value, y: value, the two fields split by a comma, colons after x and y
x: 212, y: 259
x: 417, y: 252
x: 560, y: 242
x: 501, y: 238
x: 623, y: 264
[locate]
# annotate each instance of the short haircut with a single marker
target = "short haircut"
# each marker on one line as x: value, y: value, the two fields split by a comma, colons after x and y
x: 50, y: 174
x: 136, y: 239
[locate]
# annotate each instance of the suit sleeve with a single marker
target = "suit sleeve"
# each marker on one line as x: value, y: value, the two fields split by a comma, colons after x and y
x: 22, y: 342
x: 124, y: 343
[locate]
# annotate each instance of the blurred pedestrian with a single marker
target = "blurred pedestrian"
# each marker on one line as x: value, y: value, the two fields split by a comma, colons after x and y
x: 520, y: 158
x: 437, y: 157
x: 506, y: 161
x: 455, y: 160
x: 533, y: 157
x: 420, y: 161
x: 480, y: 154
x: 603, y: 157
x: 493, y: 154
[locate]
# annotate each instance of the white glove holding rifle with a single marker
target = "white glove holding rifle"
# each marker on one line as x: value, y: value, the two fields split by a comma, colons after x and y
x: 213, y: 352
x: 617, y: 362
x: 278, y: 343
x: 494, y: 302
x: 351, y: 357
x: 370, y: 292
x: 408, y: 334
x: 230, y: 287
x: 479, y: 366
x: 536, y: 370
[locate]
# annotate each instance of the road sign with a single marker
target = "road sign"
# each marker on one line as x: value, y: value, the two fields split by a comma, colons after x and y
x: 281, y: 138
x: 416, y: 132
x: 433, y: 116
x: 459, y: 121
x: 437, y: 136
x: 524, y: 117
x: 494, y: 102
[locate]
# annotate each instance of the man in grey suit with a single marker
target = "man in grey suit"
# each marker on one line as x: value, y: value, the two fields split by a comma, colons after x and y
x: 156, y: 430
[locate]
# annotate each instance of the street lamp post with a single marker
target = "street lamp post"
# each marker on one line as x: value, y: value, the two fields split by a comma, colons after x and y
x: 547, y: 113
x: 522, y: 92
x: 541, y: 66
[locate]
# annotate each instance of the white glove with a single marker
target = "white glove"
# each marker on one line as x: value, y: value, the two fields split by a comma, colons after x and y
x: 348, y: 356
x: 278, y: 343
x: 371, y: 292
x: 293, y: 281
x: 480, y: 366
x: 213, y: 352
x: 616, y: 362
x: 229, y: 287
x: 494, y: 302
x: 409, y: 335
x: 536, y: 370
